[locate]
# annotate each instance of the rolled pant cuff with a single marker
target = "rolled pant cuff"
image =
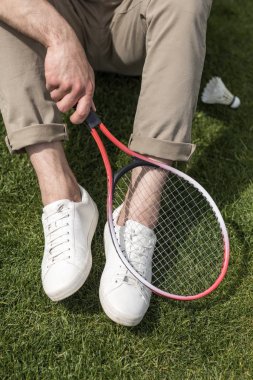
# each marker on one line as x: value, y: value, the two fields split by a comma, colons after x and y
x: 35, y: 134
x: 164, y: 149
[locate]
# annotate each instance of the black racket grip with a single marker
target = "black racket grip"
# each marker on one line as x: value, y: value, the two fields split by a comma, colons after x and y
x: 92, y: 120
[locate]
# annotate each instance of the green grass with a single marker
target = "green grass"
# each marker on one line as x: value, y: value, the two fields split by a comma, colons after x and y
x: 207, y: 339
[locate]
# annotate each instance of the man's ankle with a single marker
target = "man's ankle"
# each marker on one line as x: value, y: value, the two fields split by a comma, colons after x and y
x: 56, y: 180
x: 60, y: 189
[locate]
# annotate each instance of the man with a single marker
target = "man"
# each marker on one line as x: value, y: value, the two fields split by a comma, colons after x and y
x: 48, y: 51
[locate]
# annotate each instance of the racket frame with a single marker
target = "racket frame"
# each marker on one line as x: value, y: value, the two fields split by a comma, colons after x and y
x: 93, y: 122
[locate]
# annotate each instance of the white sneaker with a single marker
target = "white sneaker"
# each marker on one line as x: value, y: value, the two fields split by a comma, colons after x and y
x: 124, y: 299
x: 68, y: 228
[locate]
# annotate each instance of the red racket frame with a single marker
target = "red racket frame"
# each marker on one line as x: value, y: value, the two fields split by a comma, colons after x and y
x: 97, y: 123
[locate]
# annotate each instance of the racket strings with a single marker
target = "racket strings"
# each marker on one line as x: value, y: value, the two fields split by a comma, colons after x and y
x: 188, y: 254
x: 161, y: 261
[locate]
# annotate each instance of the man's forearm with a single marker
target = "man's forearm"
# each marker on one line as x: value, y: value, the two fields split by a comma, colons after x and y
x: 37, y: 19
x: 69, y: 78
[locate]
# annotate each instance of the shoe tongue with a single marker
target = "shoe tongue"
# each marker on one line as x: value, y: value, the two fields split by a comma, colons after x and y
x: 138, y: 228
x: 57, y: 205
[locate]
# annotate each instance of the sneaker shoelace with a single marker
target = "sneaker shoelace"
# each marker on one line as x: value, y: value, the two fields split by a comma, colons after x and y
x: 57, y: 234
x: 138, y: 250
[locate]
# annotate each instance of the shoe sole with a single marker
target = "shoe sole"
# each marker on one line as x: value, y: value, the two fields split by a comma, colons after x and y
x: 84, y: 275
x: 114, y: 315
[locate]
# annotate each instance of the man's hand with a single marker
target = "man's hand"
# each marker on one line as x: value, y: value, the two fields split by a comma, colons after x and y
x: 69, y: 76
x: 70, y: 79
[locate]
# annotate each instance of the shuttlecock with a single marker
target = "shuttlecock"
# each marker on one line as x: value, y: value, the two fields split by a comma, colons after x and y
x: 216, y: 92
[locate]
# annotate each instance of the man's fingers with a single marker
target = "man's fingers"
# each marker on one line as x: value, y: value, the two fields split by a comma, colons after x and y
x: 51, y: 84
x: 68, y: 101
x: 82, y: 110
x: 66, y: 97
x: 57, y: 95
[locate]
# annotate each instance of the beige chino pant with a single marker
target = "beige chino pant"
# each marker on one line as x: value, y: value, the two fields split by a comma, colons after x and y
x: 161, y: 40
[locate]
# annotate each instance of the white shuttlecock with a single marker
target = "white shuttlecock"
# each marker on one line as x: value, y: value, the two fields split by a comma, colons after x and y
x: 216, y: 92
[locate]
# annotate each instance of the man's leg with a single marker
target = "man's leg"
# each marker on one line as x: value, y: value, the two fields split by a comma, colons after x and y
x: 164, y: 40
x: 56, y: 180
x: 165, y: 43
x: 34, y: 124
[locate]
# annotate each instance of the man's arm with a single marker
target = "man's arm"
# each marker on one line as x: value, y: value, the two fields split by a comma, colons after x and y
x: 69, y: 77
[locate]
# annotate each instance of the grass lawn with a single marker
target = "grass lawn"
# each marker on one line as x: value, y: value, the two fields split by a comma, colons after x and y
x: 207, y: 339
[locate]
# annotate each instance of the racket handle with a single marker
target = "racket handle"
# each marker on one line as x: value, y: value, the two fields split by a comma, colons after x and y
x: 92, y: 120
